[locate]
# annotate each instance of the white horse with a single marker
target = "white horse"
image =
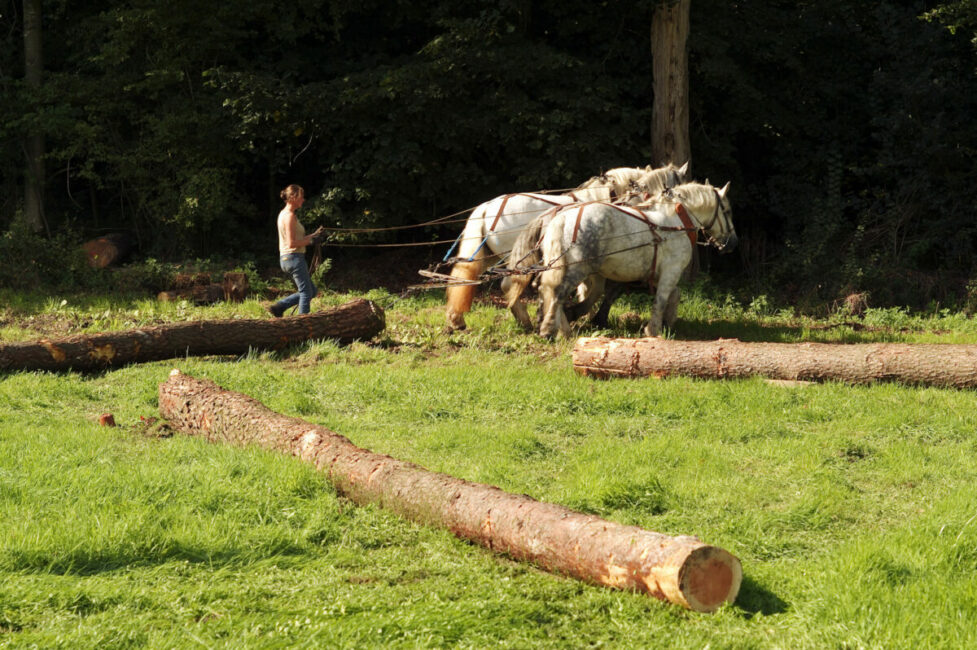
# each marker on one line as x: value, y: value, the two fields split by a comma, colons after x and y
x: 651, y: 243
x: 493, y: 227
x: 526, y: 250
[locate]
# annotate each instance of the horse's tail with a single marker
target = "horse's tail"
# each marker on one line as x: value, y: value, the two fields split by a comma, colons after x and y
x: 525, y: 255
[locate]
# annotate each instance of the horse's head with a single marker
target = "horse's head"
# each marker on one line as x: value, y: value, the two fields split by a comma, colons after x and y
x: 721, y: 232
x: 656, y: 181
x: 712, y: 212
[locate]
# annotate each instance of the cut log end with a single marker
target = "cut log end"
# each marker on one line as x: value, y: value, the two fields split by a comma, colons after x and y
x: 710, y: 578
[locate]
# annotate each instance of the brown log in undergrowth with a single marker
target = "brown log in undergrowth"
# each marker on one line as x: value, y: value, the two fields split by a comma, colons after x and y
x: 857, y: 363
x: 356, y: 320
x: 110, y: 249
x: 680, y: 569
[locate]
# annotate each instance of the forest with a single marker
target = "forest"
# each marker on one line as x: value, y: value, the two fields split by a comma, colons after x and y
x: 844, y: 127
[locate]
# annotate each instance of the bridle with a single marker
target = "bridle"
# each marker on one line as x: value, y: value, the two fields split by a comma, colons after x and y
x: 707, y: 238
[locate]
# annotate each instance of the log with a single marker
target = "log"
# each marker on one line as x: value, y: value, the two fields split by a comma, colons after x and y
x: 857, y: 363
x: 356, y: 320
x: 110, y: 249
x: 682, y: 570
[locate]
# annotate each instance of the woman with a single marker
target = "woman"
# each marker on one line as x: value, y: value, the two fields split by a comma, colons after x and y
x: 292, y: 241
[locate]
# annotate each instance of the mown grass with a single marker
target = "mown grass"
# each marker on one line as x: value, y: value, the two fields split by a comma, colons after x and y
x: 852, y: 508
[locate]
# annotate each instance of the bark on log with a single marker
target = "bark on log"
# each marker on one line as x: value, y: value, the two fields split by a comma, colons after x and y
x: 680, y: 569
x: 108, y: 250
x: 857, y: 363
x: 356, y: 320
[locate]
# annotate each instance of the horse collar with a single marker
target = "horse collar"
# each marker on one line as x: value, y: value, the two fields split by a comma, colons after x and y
x: 690, y: 229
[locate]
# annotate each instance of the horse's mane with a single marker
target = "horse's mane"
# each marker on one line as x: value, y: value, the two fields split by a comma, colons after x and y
x: 618, y: 178
x: 644, y: 178
x: 655, y: 181
x: 696, y: 195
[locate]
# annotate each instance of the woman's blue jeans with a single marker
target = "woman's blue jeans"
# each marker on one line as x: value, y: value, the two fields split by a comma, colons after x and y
x: 294, y: 264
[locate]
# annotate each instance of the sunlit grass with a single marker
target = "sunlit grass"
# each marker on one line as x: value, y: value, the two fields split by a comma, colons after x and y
x: 851, y: 508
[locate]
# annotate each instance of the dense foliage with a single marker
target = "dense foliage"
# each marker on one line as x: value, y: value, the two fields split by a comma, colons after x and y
x: 845, y: 127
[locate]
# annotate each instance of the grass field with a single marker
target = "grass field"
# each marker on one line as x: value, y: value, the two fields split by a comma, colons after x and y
x: 852, y: 509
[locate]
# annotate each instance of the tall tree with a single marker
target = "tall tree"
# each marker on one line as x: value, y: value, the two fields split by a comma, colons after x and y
x: 670, y: 60
x: 34, y: 142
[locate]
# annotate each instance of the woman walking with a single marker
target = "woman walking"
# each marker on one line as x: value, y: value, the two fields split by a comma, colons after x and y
x: 292, y: 241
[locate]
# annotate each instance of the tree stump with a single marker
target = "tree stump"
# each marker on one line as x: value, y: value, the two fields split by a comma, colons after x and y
x: 236, y: 286
x: 356, y: 320
x: 681, y: 570
x: 859, y: 363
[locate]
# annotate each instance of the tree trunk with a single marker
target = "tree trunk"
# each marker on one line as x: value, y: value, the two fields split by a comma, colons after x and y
x: 861, y: 363
x: 34, y: 143
x: 359, y: 319
x: 670, y: 142
x: 670, y: 64
x: 679, y: 569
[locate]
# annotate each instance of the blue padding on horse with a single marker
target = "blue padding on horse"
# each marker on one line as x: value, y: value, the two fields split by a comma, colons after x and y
x: 453, y: 247
x: 472, y: 258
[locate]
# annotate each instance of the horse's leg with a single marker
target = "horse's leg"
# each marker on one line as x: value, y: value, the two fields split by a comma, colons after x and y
x: 514, y: 287
x: 459, y: 298
x: 562, y: 294
x: 592, y: 288
x: 671, y: 310
x: 550, y: 318
x: 612, y: 291
x: 667, y: 284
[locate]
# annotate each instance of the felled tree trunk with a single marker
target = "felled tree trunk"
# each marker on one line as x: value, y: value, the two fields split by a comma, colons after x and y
x: 680, y: 569
x: 356, y: 320
x: 110, y: 249
x: 860, y: 363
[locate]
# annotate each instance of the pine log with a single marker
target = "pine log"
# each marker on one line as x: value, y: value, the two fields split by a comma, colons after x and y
x: 356, y: 320
x: 682, y: 570
x: 857, y: 363
x: 110, y: 249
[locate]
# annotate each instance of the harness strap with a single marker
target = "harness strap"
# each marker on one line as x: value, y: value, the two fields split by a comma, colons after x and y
x: 652, y: 280
x: 690, y: 229
x: 498, y: 215
x: 505, y: 200
x: 576, y: 224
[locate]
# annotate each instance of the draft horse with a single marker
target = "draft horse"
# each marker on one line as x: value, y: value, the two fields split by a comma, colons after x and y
x: 651, y: 242
x: 493, y: 227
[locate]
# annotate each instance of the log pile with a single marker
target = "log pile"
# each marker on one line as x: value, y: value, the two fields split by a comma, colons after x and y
x: 859, y: 363
x: 356, y: 320
x: 682, y: 570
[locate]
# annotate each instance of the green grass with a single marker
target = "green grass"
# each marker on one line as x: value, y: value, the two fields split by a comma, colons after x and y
x: 852, y: 508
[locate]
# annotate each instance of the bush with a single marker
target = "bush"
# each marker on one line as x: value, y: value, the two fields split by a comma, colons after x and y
x: 30, y: 260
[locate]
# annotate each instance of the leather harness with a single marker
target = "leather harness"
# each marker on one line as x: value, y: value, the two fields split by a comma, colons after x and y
x: 687, y: 226
x: 505, y: 200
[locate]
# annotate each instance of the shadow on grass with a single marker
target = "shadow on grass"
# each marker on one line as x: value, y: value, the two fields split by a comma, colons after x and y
x: 755, y: 599
x: 89, y: 562
x: 753, y: 332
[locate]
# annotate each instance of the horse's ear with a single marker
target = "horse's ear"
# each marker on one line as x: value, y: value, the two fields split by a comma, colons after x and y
x: 722, y: 192
x: 683, y: 170
x: 648, y: 168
